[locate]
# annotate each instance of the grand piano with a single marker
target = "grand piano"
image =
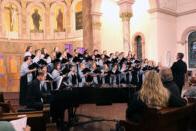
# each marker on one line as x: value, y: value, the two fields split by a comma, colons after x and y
x: 72, y: 98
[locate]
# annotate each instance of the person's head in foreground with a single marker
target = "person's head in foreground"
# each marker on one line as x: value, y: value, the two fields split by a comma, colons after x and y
x: 166, y: 74
x: 153, y: 93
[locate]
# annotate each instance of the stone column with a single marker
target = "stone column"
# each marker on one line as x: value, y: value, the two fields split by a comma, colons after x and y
x: 126, y: 14
x: 96, y: 23
x: 87, y: 25
x: 24, y: 20
x: 0, y: 21
x: 92, y: 24
x: 47, y: 21
x: 68, y: 18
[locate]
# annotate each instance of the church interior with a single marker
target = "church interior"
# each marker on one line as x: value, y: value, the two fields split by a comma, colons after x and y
x: 162, y: 32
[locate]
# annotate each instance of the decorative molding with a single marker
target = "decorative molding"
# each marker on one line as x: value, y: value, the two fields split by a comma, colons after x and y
x: 164, y: 11
x: 126, y: 16
x: 187, y: 12
x: 172, y: 13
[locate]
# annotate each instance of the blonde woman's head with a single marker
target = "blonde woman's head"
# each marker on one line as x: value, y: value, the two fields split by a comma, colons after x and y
x: 153, y: 93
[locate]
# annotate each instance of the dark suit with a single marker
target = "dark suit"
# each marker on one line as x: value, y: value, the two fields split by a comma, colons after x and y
x: 35, y: 95
x: 172, y: 87
x: 179, y: 70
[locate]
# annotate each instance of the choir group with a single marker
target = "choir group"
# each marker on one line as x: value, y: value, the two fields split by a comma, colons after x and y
x: 80, y: 69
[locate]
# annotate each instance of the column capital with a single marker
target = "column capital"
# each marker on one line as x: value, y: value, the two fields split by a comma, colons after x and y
x: 125, y: 16
x: 96, y: 19
x: 125, y: 9
x: 96, y: 25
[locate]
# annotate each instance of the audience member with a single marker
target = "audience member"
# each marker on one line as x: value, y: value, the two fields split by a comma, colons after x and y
x: 152, y: 95
x: 167, y: 79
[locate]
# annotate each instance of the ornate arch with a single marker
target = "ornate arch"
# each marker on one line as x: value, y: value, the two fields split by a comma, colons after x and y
x: 185, y: 34
x: 52, y: 13
x: 29, y: 8
x: 2, y: 5
x: 135, y: 43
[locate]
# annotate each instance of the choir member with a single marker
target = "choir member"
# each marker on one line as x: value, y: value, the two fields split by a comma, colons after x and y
x: 25, y: 78
x: 81, y: 75
x: 56, y: 74
x: 29, y: 50
x: 48, y: 79
x: 45, y: 56
x: 72, y: 77
x: 105, y: 75
x: 37, y: 57
x: 58, y: 52
x: 115, y: 75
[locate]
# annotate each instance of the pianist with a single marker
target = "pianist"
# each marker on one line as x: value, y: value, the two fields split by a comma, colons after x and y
x: 36, y: 91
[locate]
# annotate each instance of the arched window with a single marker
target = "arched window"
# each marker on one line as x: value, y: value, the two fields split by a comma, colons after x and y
x: 78, y: 15
x: 138, y: 42
x: 192, y: 50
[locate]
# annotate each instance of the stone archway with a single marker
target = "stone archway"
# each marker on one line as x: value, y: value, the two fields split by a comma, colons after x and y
x: 135, y: 46
x: 185, y: 34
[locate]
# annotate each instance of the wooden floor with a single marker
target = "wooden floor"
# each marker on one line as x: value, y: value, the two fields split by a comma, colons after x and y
x: 115, y: 111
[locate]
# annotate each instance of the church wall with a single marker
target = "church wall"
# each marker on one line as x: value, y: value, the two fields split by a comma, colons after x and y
x: 141, y: 22
x: 111, y: 30
x: 186, y: 5
x: 166, y: 39
x: 185, y: 24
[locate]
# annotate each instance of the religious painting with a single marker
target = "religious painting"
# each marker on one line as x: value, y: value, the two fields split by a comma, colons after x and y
x: 78, y: 16
x: 59, y: 18
x: 36, y: 20
x: 192, y: 50
x: 11, y: 18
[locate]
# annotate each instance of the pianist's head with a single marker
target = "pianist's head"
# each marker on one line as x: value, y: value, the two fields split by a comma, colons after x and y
x: 40, y: 75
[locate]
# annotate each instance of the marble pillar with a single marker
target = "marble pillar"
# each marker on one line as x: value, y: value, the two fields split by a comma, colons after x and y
x: 126, y: 14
